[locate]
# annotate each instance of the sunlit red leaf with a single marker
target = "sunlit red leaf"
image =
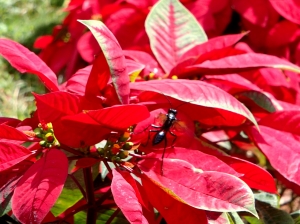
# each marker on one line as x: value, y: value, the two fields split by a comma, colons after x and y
x: 38, y: 189
x: 198, y: 159
x: 171, y: 209
x: 289, y: 9
x: 213, y: 44
x: 241, y: 62
x: 174, y: 33
x: 119, y: 117
x: 126, y: 197
x: 114, y: 57
x: 208, y: 190
x: 12, y: 154
x: 26, y: 61
x: 209, y: 105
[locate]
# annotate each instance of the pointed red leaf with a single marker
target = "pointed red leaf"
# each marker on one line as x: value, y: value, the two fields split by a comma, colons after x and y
x: 11, y: 154
x: 172, y: 31
x: 289, y: 9
x: 171, y: 209
x: 114, y: 56
x: 124, y: 191
x: 119, y: 117
x: 26, y: 61
x: 213, y: 44
x: 210, y: 105
x: 239, y: 63
x: 208, y: 190
x: 39, y: 188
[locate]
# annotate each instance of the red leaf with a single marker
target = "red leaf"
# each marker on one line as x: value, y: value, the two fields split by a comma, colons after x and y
x: 8, y: 132
x: 174, y: 33
x: 210, y: 105
x: 38, y: 189
x: 213, y: 44
x: 98, y: 79
x: 126, y: 197
x: 11, y: 154
x: 208, y: 190
x: 258, y: 12
x: 289, y: 9
x: 171, y: 209
x: 25, y: 61
x: 281, y: 149
x: 77, y: 83
x: 255, y: 176
x: 119, y: 117
x: 114, y: 57
x: 238, y: 63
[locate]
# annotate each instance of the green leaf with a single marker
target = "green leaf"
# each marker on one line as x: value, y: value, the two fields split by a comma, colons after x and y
x: 253, y: 220
x: 258, y: 98
x: 172, y: 31
x: 271, y: 199
x: 234, y: 218
x: 271, y: 215
x: 103, y: 217
x: 296, y: 216
x: 5, y: 206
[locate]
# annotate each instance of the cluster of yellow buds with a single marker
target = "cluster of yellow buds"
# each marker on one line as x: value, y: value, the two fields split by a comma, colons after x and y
x: 117, y: 149
x: 45, y: 132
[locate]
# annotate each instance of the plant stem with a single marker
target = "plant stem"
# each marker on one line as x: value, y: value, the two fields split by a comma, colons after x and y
x: 91, y: 211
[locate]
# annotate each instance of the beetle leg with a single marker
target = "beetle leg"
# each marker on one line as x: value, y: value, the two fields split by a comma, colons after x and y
x: 174, y: 139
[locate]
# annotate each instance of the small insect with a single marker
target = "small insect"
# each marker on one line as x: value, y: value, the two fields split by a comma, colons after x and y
x: 169, y: 121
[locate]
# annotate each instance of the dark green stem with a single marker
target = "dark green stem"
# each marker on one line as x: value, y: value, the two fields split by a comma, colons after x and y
x: 91, y: 211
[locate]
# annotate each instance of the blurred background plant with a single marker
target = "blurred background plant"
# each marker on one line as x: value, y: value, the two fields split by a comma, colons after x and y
x: 23, y: 21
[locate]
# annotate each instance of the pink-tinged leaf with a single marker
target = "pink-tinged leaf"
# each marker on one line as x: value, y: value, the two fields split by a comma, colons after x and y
x: 207, y: 190
x: 198, y: 159
x: 126, y: 198
x: 289, y: 9
x: 88, y: 47
x: 12, y: 154
x: 281, y: 149
x: 210, y: 105
x: 120, y: 117
x: 10, y: 133
x: 255, y: 176
x: 39, y: 188
x: 133, y: 66
x: 258, y: 12
x: 151, y: 65
x: 172, y: 34
x: 77, y: 83
x: 114, y: 57
x: 171, y: 209
x: 238, y: 63
x: 213, y: 44
x: 26, y: 61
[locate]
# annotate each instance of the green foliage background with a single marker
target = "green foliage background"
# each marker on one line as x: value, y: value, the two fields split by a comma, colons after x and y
x: 23, y: 21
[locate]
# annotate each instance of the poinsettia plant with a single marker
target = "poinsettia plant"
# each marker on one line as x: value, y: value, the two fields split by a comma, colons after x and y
x: 195, y: 131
